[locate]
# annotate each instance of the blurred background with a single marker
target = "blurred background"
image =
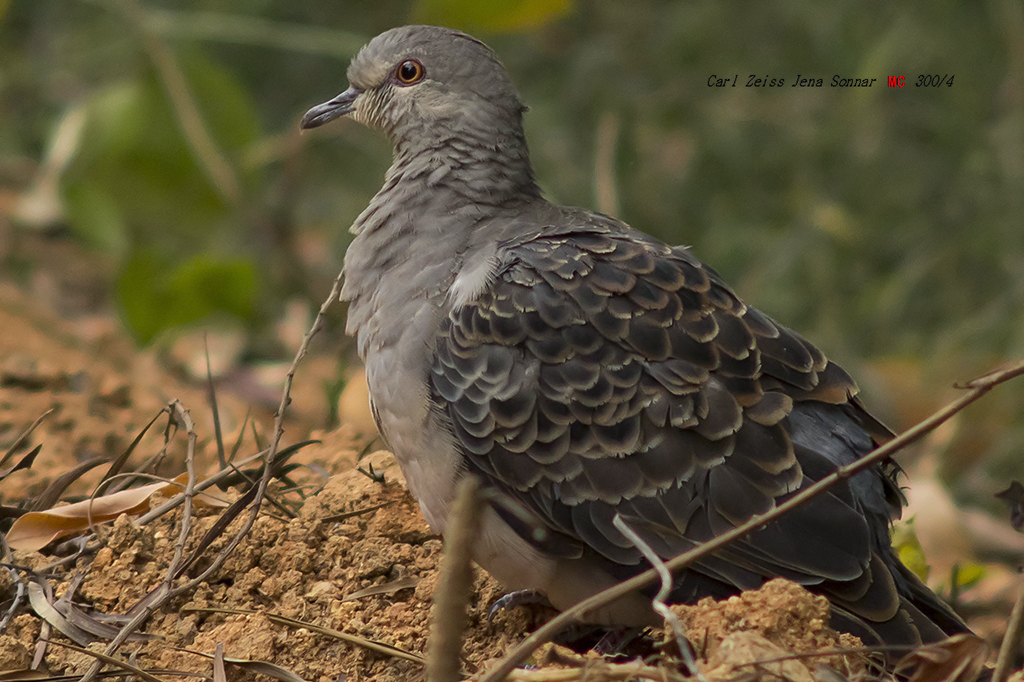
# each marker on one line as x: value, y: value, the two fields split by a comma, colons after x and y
x: 152, y: 172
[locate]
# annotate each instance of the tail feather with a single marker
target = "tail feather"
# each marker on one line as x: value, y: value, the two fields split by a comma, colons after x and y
x: 920, y: 617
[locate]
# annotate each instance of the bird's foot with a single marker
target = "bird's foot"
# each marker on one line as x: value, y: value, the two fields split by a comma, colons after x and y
x: 517, y: 598
x: 616, y: 640
x: 610, y: 642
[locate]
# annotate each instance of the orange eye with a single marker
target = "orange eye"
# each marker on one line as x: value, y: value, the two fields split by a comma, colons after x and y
x: 410, y: 71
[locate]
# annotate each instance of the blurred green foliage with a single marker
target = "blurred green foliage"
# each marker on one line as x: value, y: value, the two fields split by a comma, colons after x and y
x: 879, y: 222
x: 134, y: 166
x: 490, y: 15
x: 911, y: 554
x: 156, y: 294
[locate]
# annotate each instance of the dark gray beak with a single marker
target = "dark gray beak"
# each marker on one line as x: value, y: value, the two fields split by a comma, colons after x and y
x: 328, y: 111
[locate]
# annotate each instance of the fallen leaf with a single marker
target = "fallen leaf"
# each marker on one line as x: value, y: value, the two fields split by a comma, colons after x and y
x: 1014, y: 496
x: 35, y: 530
x: 44, y: 609
x: 254, y: 666
x: 386, y: 588
x: 959, y: 658
x: 24, y: 463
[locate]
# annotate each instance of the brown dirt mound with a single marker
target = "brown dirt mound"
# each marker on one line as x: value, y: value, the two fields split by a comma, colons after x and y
x: 313, y: 568
x: 308, y: 568
x: 779, y: 619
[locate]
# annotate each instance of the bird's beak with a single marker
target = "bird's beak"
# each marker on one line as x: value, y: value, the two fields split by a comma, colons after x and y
x: 328, y: 111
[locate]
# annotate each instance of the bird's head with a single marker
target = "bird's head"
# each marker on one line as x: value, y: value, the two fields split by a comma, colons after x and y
x: 427, y: 83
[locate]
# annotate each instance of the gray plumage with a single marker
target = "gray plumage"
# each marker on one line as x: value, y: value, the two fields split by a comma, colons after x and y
x: 584, y: 369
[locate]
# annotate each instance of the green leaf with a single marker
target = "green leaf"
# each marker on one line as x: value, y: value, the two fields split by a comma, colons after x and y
x: 966, y: 575
x: 206, y: 285
x: 494, y: 16
x: 154, y: 296
x: 135, y: 156
x: 908, y: 548
x: 143, y: 299
x: 95, y: 217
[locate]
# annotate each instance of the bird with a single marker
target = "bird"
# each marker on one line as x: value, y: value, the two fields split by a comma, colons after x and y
x: 586, y: 371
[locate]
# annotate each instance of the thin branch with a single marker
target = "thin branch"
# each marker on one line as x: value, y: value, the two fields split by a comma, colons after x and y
x: 176, y: 413
x: 976, y: 389
x: 165, y: 593
x: 604, y: 164
x: 379, y: 647
x: 1011, y: 645
x: 179, y: 498
x: 186, y: 515
x: 244, y: 29
x: 268, y: 469
x: 207, y: 154
x: 672, y: 623
x: 107, y: 658
x: 455, y: 582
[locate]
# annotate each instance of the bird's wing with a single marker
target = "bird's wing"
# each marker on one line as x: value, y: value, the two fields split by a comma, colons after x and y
x: 603, y: 373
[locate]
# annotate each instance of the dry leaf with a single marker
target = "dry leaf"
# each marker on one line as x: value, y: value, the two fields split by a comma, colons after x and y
x: 1014, y: 496
x: 26, y: 675
x: 24, y: 463
x: 254, y: 666
x: 45, y: 610
x: 959, y: 658
x: 386, y: 588
x: 35, y: 530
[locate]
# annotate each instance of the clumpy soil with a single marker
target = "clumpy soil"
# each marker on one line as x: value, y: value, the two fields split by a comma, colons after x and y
x: 309, y: 569
x: 318, y: 568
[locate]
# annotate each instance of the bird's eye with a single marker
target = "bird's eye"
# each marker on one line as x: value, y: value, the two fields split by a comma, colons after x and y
x: 410, y: 71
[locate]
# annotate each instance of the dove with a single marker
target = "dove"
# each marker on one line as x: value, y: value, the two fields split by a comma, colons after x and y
x: 586, y: 371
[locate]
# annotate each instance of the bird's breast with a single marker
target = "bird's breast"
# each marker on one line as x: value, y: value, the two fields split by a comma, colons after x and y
x: 397, y: 380
x: 397, y: 298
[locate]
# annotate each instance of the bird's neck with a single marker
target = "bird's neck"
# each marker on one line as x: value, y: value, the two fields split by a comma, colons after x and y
x: 487, y: 169
x: 438, y: 190
x: 422, y: 220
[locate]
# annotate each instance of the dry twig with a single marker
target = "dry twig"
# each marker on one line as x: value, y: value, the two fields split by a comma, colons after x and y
x: 379, y: 647
x: 455, y: 583
x: 672, y: 623
x: 107, y: 658
x: 166, y: 591
x: 153, y: 601
x: 1011, y: 645
x: 208, y: 155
